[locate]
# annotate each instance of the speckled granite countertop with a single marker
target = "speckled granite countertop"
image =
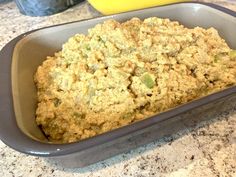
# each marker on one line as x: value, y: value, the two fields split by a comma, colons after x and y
x: 208, y: 149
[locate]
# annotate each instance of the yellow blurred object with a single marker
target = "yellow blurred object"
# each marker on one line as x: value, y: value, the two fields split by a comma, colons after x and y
x: 108, y: 7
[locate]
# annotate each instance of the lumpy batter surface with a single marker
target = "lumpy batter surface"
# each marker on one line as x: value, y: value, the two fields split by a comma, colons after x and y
x: 120, y: 73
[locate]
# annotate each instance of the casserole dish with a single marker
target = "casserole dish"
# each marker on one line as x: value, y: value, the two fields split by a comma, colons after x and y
x: 20, y: 58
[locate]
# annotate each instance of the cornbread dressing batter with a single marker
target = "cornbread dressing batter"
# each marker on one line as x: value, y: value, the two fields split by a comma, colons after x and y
x: 120, y: 73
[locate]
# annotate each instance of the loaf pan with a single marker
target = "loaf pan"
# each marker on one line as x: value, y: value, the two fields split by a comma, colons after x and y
x: 20, y: 58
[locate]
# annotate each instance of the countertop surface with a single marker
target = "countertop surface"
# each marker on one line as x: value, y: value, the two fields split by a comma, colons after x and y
x: 206, y: 149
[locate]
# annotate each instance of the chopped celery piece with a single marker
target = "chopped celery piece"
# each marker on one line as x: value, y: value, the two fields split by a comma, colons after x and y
x: 217, y: 58
x: 147, y: 80
x: 232, y: 54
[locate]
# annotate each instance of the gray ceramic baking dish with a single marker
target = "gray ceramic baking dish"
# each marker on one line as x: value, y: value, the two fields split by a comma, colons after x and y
x: 20, y: 58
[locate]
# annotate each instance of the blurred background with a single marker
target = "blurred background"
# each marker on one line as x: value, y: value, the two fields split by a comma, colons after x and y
x: 105, y: 7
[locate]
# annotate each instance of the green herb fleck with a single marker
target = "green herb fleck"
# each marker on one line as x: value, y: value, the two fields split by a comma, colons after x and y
x: 88, y: 47
x: 56, y: 102
x: 127, y: 116
x: 95, y: 128
x: 101, y: 40
x: 79, y: 115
